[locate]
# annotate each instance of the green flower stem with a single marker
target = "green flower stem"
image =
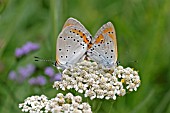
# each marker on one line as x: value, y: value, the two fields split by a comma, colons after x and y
x: 97, y: 105
x: 110, y: 111
x: 53, y: 6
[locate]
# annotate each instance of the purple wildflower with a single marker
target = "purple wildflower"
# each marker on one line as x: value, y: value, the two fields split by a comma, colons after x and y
x: 15, y: 76
x: 49, y: 71
x: 30, y: 68
x: 12, y: 75
x: 32, y: 81
x: 19, y: 52
x: 23, y: 72
x: 40, y: 80
x: 56, y: 77
x: 35, y: 47
x: 25, y: 49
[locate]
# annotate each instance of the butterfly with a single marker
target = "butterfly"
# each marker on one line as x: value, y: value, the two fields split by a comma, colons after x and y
x: 72, y: 43
x: 103, y: 48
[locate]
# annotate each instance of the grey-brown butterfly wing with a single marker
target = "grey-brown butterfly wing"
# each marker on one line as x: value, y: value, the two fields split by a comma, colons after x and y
x: 72, y: 44
x: 104, y: 46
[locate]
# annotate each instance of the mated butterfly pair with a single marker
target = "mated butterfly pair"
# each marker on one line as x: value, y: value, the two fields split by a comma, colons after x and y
x: 75, y: 40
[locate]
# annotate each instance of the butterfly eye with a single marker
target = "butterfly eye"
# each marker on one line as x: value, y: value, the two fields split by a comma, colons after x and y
x: 55, y: 63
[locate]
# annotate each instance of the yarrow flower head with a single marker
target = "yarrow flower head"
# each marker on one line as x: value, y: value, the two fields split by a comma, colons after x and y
x: 59, y: 104
x: 96, y: 82
x: 25, y: 49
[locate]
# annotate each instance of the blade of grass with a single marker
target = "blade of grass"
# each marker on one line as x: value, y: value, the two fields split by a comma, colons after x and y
x: 144, y: 102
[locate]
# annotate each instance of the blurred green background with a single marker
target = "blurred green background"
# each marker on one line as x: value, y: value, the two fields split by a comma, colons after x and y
x: 142, y: 27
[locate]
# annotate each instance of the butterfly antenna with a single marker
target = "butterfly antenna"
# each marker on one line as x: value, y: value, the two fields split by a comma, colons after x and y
x: 134, y: 61
x: 47, y: 60
x: 42, y: 59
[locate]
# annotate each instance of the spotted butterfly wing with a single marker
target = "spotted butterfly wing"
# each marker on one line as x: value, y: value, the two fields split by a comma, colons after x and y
x: 104, y: 46
x: 73, y: 22
x: 71, y: 43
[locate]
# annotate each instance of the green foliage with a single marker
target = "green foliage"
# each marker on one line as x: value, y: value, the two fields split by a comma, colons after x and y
x: 142, y: 29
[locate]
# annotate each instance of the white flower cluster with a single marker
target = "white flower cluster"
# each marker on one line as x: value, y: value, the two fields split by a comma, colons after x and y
x: 94, y: 81
x: 59, y: 104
